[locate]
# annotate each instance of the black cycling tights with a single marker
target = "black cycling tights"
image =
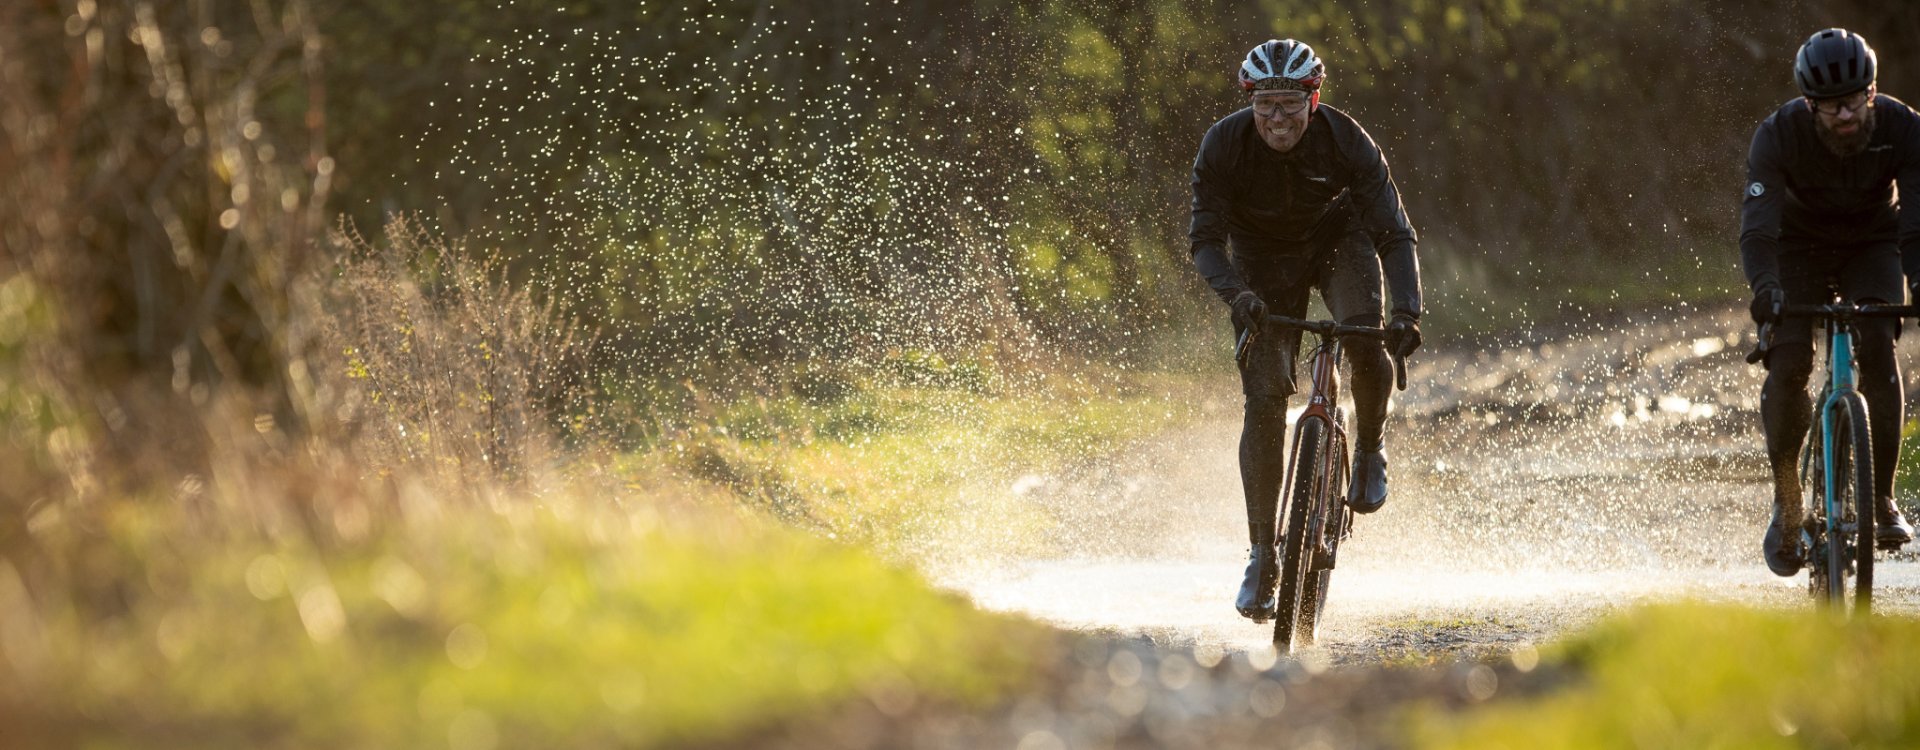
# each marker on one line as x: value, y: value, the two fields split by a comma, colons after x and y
x: 1263, y: 444
x: 1786, y: 409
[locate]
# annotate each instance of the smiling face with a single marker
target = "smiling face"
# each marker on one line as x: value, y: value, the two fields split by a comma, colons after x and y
x: 1281, y: 118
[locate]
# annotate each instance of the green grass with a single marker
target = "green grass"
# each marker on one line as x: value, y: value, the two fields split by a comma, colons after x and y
x: 888, y: 466
x: 1906, y: 484
x: 722, y: 583
x: 1699, y: 676
x: 534, y: 626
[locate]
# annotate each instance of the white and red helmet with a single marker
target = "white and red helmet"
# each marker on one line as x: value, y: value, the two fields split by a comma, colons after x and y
x: 1283, y: 65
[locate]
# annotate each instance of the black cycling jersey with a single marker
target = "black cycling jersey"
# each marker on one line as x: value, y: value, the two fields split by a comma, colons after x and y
x: 1268, y: 202
x: 1801, y: 193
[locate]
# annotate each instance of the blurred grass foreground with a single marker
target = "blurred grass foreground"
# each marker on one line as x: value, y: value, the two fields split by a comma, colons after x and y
x: 1699, y: 676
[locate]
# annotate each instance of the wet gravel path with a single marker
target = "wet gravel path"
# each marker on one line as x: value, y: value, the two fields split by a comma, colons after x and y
x: 1539, y: 483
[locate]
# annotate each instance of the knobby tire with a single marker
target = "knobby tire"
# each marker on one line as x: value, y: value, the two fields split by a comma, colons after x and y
x: 1853, y: 441
x: 1842, y: 550
x: 1308, y: 479
x: 1313, y: 594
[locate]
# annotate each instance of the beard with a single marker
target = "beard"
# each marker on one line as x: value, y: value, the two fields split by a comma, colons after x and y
x: 1847, y: 145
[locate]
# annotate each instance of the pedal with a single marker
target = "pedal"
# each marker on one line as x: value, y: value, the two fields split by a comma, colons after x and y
x: 1888, y: 546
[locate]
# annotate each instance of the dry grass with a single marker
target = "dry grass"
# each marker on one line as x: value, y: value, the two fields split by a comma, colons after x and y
x: 446, y: 366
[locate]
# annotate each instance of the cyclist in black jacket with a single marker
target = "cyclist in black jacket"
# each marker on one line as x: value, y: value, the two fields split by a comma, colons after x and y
x: 1305, y: 198
x: 1821, y: 215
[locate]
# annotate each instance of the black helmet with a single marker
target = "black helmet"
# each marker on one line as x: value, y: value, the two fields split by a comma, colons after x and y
x: 1835, y: 62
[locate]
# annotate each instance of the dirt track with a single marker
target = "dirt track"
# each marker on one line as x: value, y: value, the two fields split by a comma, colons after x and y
x: 1538, y: 483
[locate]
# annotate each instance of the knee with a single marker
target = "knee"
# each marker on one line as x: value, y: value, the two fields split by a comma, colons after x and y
x: 1875, y: 349
x: 1789, y: 368
x: 1368, y: 357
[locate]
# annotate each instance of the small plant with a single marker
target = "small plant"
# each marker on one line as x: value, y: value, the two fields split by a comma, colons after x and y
x: 444, y: 362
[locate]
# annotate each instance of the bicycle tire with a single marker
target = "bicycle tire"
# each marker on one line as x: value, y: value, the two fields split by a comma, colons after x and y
x: 1307, y: 477
x: 1318, y: 578
x: 1852, y: 430
x: 1813, y: 468
x: 1839, y: 550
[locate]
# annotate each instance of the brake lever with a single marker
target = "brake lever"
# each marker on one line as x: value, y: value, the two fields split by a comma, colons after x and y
x: 1761, y: 346
x: 1241, y: 347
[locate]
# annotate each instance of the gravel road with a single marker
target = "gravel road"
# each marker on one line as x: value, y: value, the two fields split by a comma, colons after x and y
x: 1539, y: 482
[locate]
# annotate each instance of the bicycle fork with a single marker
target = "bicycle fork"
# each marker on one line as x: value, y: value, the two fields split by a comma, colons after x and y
x: 1840, y: 345
x: 1329, y: 521
x: 1334, y: 522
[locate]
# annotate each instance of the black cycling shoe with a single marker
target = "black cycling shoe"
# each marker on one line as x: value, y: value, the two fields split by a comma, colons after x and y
x: 1368, y: 490
x: 1890, y: 529
x: 1784, y: 553
x: 1257, y: 600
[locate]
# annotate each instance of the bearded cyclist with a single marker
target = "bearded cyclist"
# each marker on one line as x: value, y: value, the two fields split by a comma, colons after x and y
x: 1304, y: 196
x: 1821, y: 213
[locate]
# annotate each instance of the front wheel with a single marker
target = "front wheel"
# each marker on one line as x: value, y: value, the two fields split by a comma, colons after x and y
x: 1336, y: 519
x: 1850, y: 539
x: 1843, y: 509
x: 1306, y: 499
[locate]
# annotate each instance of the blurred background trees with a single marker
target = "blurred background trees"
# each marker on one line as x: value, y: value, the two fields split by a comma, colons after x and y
x: 828, y: 179
x: 735, y: 191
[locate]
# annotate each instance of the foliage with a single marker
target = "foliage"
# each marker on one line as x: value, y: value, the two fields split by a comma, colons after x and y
x: 1715, y: 676
x: 792, y: 181
x: 915, y: 471
x: 1906, y: 484
x: 484, y: 618
x: 440, y: 363
x: 167, y: 178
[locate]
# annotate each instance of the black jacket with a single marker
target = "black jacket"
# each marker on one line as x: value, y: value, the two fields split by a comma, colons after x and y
x: 1263, y: 200
x: 1798, y: 191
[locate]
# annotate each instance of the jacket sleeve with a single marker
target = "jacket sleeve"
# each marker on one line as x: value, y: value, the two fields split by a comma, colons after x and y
x: 1760, y: 210
x: 1377, y: 201
x: 1208, y: 232
x: 1907, y: 181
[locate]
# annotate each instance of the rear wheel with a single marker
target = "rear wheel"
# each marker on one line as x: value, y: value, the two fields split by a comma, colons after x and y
x: 1309, y: 482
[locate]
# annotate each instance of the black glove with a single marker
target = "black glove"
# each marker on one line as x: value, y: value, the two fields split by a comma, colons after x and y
x: 1403, y: 334
x: 1249, y: 311
x: 1767, y: 301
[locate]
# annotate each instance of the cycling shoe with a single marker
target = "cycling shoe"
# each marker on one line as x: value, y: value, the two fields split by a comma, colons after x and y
x: 1784, y: 553
x: 1369, y: 488
x: 1257, y: 600
x: 1890, y: 528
